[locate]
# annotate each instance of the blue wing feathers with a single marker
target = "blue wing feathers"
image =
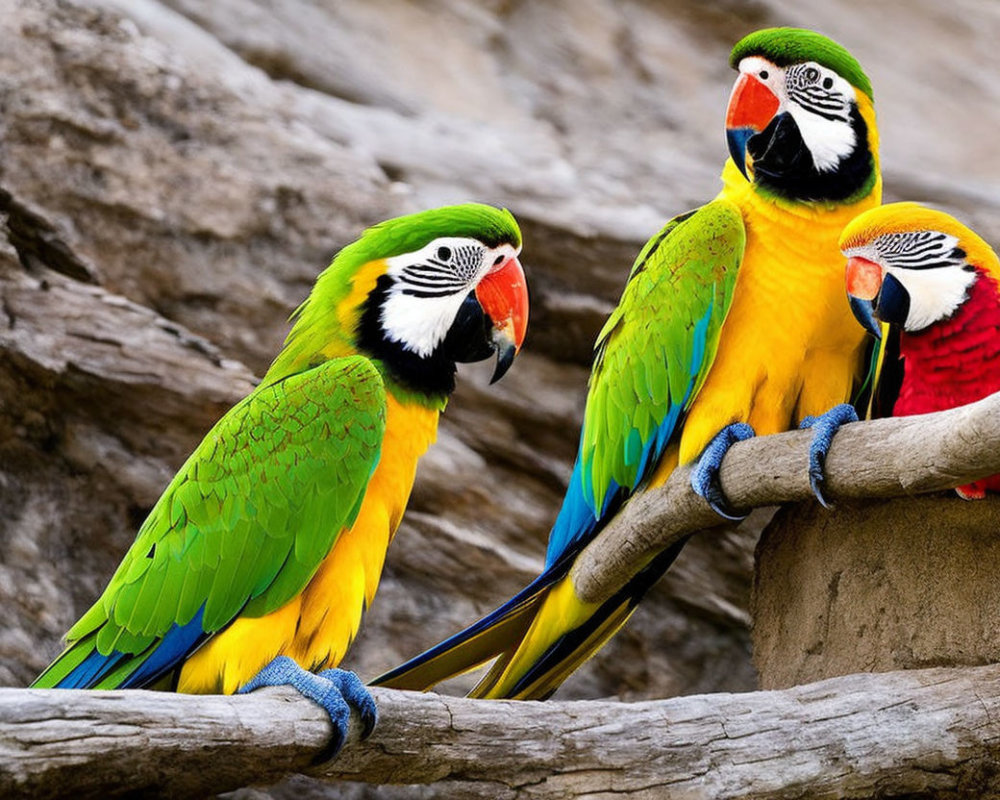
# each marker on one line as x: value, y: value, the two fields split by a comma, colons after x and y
x: 90, y: 670
x: 579, y: 517
x: 179, y: 642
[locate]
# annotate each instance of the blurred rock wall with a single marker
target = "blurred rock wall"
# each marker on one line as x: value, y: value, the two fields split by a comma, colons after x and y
x: 174, y: 174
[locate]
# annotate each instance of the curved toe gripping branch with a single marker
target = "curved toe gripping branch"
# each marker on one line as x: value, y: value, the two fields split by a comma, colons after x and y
x: 705, y: 476
x: 336, y: 690
x: 824, y: 427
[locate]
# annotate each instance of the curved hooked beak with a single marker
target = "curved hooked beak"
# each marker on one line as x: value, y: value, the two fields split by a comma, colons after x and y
x: 864, y: 281
x: 875, y: 295
x: 752, y: 106
x: 503, y: 295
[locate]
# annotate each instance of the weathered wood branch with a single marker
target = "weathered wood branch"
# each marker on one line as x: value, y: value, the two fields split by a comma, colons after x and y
x: 879, y: 458
x: 896, y: 733
x: 891, y: 734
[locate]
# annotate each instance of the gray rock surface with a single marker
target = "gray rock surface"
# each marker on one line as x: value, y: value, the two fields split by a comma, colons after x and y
x: 174, y: 174
x: 878, y: 586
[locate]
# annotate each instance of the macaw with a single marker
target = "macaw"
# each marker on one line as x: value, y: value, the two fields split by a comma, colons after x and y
x: 264, y: 550
x: 938, y: 284
x: 733, y: 319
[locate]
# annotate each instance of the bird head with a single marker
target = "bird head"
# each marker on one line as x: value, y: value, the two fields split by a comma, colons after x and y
x: 419, y: 293
x: 800, y: 122
x: 911, y: 266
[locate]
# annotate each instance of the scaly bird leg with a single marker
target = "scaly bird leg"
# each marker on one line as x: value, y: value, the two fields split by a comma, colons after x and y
x: 705, y: 477
x: 824, y: 427
x: 336, y: 690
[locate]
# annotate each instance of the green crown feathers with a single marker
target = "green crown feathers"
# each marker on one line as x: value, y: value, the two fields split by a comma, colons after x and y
x: 784, y: 46
x: 492, y: 226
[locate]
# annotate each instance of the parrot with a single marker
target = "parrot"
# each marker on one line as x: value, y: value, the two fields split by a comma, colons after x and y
x: 937, y: 283
x: 256, y: 564
x: 733, y: 320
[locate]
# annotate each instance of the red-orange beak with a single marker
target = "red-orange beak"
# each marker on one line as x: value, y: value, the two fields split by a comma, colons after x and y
x: 752, y: 106
x: 864, y: 278
x: 503, y: 294
x: 864, y: 282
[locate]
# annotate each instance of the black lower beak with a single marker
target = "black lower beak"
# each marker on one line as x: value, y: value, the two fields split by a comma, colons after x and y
x: 893, y: 301
x: 506, y: 350
x: 864, y: 312
x: 737, y: 139
x: 474, y: 337
x: 779, y: 151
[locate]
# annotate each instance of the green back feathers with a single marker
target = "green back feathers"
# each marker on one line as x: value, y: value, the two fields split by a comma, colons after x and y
x: 784, y: 46
x: 318, y: 322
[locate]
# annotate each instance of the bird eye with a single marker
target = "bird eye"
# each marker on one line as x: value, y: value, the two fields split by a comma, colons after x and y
x: 444, y: 253
x: 763, y: 74
x: 497, y: 260
x: 827, y: 83
x: 812, y: 74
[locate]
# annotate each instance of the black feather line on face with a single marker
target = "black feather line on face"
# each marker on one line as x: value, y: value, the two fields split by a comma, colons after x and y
x: 432, y: 375
x: 783, y: 164
x: 920, y: 250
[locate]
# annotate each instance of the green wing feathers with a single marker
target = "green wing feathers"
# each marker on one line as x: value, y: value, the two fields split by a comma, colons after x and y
x: 250, y: 516
x: 657, y: 346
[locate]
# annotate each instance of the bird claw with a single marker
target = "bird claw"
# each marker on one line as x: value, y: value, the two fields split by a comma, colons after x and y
x: 824, y: 427
x: 336, y: 690
x: 705, y: 477
x: 356, y: 695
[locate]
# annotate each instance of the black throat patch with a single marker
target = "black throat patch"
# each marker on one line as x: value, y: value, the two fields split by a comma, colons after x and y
x: 782, y: 163
x: 433, y: 375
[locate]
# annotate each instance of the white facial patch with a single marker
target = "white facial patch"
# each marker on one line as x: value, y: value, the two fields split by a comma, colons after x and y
x: 819, y: 101
x: 926, y: 264
x: 771, y: 76
x: 934, y: 277
x: 429, y: 286
x: 828, y: 141
x: 935, y: 294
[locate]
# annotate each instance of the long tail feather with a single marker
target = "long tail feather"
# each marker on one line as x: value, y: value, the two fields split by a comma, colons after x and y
x: 539, y: 664
x: 499, y: 630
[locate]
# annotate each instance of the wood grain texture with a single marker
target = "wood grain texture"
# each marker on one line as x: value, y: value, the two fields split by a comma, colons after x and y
x: 880, y: 458
x: 919, y: 733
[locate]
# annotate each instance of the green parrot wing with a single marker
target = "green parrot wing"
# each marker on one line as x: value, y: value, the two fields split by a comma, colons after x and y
x: 656, y: 348
x: 250, y: 516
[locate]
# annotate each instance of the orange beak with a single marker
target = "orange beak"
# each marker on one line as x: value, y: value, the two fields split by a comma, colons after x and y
x: 503, y: 294
x: 752, y: 106
x: 864, y: 282
x: 864, y: 278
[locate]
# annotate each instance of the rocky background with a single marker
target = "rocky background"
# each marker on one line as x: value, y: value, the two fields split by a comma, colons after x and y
x: 173, y: 175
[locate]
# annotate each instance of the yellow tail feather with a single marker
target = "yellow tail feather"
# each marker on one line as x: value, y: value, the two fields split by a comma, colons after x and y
x: 467, y: 655
x: 880, y: 346
x: 560, y: 612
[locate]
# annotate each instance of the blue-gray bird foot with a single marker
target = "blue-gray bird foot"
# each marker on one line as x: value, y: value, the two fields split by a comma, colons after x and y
x: 336, y: 690
x: 824, y: 427
x: 705, y: 477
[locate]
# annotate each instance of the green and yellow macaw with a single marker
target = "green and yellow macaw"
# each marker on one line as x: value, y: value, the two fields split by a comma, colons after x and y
x: 268, y: 544
x: 733, y: 316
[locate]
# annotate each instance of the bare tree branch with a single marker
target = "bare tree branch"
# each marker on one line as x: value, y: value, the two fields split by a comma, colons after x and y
x: 880, y: 458
x: 894, y: 734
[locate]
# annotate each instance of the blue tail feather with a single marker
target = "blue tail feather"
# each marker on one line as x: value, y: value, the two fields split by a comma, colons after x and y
x: 90, y: 671
x: 179, y: 642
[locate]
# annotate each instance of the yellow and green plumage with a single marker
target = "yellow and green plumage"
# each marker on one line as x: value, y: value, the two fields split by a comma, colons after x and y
x: 270, y: 539
x: 733, y: 313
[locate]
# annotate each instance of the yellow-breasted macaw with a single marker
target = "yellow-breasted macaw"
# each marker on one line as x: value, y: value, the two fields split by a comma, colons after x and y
x: 268, y: 544
x: 938, y: 283
x: 733, y: 316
